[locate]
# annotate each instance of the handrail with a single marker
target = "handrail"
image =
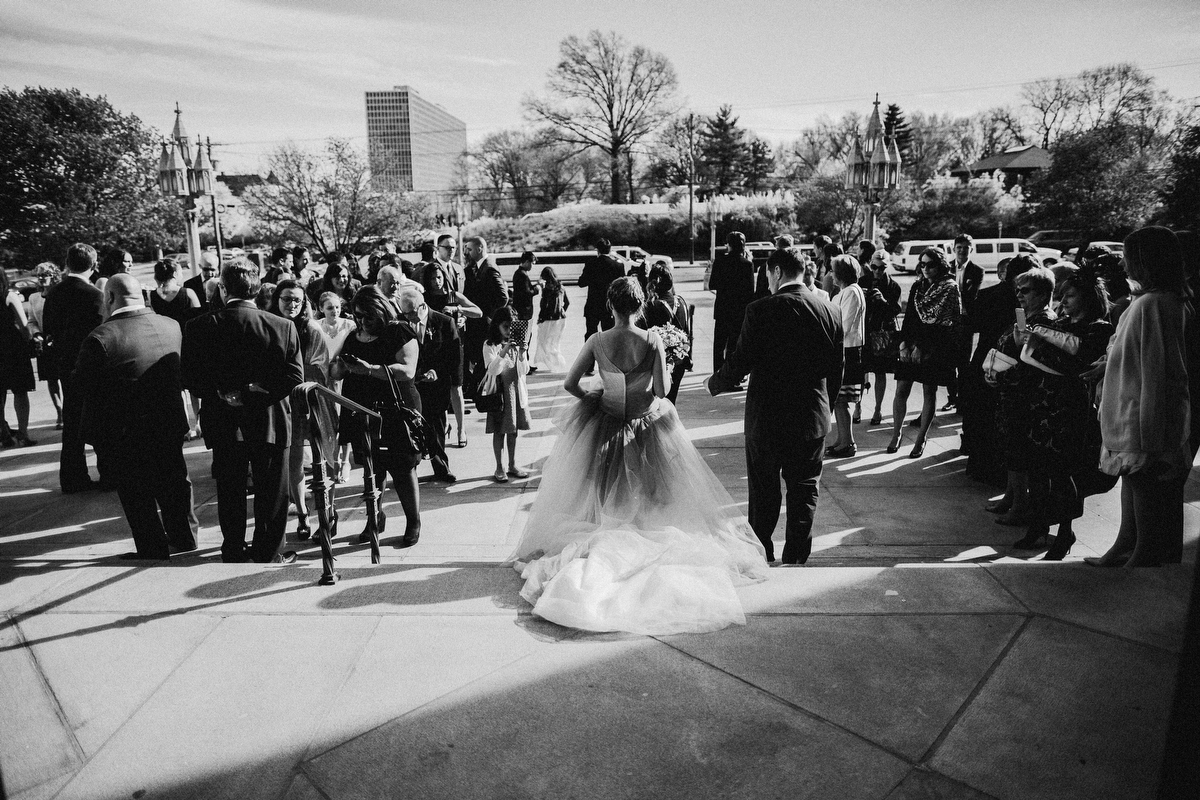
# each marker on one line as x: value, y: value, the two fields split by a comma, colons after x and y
x: 308, y: 386
x: 322, y: 482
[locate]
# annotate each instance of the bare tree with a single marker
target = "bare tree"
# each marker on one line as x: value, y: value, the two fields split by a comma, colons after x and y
x: 605, y: 94
x: 327, y: 199
x: 1052, y: 104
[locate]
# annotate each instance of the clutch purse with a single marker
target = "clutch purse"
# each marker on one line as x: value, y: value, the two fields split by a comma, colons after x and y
x: 998, y: 362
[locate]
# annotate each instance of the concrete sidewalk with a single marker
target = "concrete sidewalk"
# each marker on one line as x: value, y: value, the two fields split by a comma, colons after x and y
x: 913, y: 657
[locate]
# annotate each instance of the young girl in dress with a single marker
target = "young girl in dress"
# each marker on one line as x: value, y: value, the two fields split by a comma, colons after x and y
x: 506, y: 361
x: 336, y: 328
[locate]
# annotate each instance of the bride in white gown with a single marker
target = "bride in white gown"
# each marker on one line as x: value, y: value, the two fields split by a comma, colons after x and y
x: 631, y: 531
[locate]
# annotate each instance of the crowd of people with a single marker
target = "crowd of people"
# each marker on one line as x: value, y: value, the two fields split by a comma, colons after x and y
x: 1066, y: 379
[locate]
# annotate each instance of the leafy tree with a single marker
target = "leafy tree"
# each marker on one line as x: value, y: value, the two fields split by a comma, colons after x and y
x: 1101, y: 181
x: 328, y: 199
x: 722, y: 147
x: 824, y: 205
x: 895, y: 124
x: 73, y: 168
x: 1181, y: 196
x: 607, y: 95
x: 760, y: 163
x: 669, y: 164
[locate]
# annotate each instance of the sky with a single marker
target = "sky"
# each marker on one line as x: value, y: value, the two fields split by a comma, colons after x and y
x: 251, y: 74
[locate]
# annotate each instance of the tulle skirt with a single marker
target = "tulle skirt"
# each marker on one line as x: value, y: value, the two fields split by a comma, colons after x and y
x: 549, y: 357
x: 631, y: 531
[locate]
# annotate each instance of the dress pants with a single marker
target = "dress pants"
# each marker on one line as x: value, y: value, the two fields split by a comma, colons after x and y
x: 156, y: 494
x: 595, y: 325
x: 435, y: 400
x: 72, y: 461
x: 725, y: 339
x: 268, y: 463
x: 768, y: 454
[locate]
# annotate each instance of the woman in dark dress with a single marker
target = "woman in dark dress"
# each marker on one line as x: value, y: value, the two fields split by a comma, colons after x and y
x: 883, y: 306
x: 927, y: 344
x: 170, y: 298
x: 1035, y: 288
x: 16, y: 364
x: 382, y: 345
x: 1064, y: 430
x: 664, y: 307
x: 440, y: 297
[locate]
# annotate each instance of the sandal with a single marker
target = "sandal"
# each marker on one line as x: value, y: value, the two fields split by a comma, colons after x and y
x: 500, y: 477
x: 513, y: 472
x: 462, y: 440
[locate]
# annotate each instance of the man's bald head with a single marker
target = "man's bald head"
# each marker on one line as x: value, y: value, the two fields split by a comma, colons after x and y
x: 123, y: 291
x: 387, y: 280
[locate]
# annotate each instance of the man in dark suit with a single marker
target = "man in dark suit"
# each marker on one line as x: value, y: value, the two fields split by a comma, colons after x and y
x: 128, y: 376
x: 969, y: 277
x: 597, y: 274
x: 72, y: 310
x: 439, y: 360
x: 732, y: 279
x: 243, y: 364
x: 199, y: 283
x: 791, y: 346
x: 483, y: 286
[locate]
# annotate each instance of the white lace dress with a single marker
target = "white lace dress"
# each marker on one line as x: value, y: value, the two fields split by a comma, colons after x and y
x: 631, y: 530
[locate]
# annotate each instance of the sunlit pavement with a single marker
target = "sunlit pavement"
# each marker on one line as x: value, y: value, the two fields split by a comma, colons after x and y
x: 915, y: 656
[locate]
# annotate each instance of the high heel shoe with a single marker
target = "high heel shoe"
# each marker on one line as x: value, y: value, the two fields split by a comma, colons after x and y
x: 918, y: 450
x: 1000, y: 506
x: 1060, y: 548
x: 894, y: 446
x: 303, y: 532
x: 877, y: 419
x: 1034, y: 535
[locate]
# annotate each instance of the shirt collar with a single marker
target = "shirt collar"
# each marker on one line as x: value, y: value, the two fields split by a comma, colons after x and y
x: 124, y: 310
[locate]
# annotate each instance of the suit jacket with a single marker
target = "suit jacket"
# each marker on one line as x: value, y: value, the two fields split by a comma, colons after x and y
x: 486, y: 288
x: 441, y: 351
x: 73, y: 308
x: 196, y: 284
x: 732, y: 279
x: 994, y: 313
x: 227, y: 350
x: 971, y: 281
x: 128, y: 376
x: 791, y: 347
x: 597, y: 274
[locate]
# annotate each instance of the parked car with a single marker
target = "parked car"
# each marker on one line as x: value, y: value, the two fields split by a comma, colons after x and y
x: 1117, y: 247
x: 1056, y: 239
x: 906, y: 255
x: 23, y: 282
x: 630, y: 254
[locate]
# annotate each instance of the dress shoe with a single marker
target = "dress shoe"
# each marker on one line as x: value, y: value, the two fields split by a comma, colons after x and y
x: 950, y: 406
x: 446, y: 477
x: 1032, y: 538
x: 877, y: 419
x: 286, y: 557
x: 1000, y: 506
x: 796, y: 553
x: 849, y: 451
x: 918, y: 450
x: 893, y: 446
x: 142, y: 557
x: 513, y: 472
x: 408, y: 540
x: 303, y: 532
x: 1060, y: 548
x: 180, y: 549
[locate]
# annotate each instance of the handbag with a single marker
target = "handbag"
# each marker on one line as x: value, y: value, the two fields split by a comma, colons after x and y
x: 911, y: 353
x: 487, y: 396
x: 401, y: 429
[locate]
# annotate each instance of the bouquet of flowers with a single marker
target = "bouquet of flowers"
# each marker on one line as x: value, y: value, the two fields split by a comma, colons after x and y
x: 675, y: 342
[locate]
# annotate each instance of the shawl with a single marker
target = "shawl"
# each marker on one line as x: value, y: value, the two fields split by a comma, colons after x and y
x: 1144, y: 407
x: 940, y: 303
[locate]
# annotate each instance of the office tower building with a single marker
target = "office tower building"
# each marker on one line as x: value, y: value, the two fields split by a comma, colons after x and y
x: 414, y: 144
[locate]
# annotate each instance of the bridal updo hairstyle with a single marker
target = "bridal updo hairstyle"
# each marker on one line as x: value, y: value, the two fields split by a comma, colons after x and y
x: 626, y: 297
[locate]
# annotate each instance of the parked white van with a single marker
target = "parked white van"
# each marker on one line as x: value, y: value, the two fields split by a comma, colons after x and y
x: 990, y: 252
x: 908, y: 253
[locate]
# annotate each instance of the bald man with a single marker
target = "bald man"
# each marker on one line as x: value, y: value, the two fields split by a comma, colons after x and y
x: 133, y: 415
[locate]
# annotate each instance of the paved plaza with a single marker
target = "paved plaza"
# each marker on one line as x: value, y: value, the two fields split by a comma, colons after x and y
x: 914, y: 657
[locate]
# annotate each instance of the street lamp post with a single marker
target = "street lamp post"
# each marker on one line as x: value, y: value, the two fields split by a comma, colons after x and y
x: 180, y: 176
x: 874, y: 166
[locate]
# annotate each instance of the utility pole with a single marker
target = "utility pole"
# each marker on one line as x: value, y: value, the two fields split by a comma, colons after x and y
x: 216, y: 217
x: 692, y: 185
